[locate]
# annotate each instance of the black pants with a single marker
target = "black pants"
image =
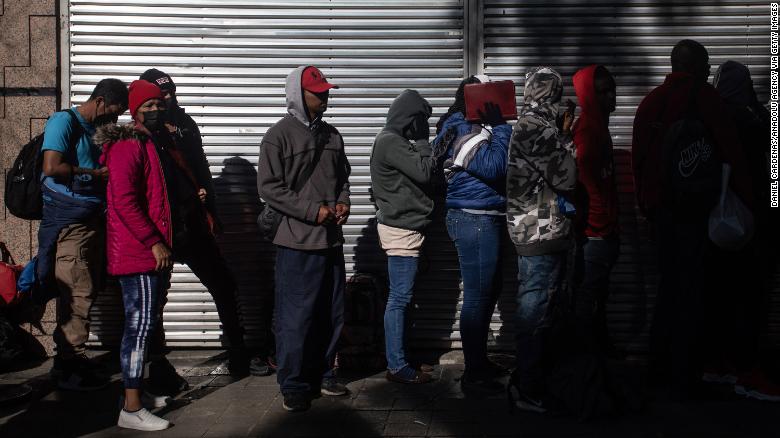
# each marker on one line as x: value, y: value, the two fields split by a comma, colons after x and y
x: 595, y: 259
x: 678, y: 330
x: 308, y: 315
x: 203, y: 257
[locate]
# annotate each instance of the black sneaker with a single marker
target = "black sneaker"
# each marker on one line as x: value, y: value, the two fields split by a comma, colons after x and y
x: 260, y: 367
x: 238, y: 363
x: 480, y: 385
x: 296, y: 402
x: 164, y: 378
x: 81, y: 380
x: 332, y: 387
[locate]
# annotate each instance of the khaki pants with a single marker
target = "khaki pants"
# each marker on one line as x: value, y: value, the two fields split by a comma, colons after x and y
x: 79, y: 273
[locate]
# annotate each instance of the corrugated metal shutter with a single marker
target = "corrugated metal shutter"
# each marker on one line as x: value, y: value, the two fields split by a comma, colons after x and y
x: 229, y: 60
x: 634, y: 40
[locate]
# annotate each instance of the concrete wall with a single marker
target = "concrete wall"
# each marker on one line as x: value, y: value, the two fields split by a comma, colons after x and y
x: 28, y: 75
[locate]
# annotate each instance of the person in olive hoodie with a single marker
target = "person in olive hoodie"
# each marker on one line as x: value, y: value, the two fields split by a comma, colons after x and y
x: 401, y: 170
x: 303, y: 174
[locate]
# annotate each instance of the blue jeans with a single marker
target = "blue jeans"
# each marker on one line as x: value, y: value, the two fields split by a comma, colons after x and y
x: 541, y: 282
x: 308, y: 316
x: 477, y: 238
x: 140, y: 294
x: 401, y: 271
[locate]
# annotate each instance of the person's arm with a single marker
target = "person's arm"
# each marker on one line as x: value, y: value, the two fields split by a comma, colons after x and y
x: 274, y: 189
x: 588, y: 161
x: 414, y: 161
x: 558, y: 165
x: 57, y: 143
x: 489, y: 163
x: 126, y: 164
x: 724, y: 133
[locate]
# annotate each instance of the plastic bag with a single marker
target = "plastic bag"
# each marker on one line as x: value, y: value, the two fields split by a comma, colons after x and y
x: 731, y: 222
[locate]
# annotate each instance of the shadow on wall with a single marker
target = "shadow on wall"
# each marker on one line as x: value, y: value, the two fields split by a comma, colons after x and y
x: 249, y: 256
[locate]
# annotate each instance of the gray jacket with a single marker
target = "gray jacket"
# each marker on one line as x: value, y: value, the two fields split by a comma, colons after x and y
x: 288, y: 148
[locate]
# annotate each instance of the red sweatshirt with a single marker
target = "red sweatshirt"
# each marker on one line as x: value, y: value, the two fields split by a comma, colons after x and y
x: 671, y: 99
x: 595, y: 166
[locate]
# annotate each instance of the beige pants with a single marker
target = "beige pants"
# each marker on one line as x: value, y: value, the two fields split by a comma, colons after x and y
x: 400, y: 242
x: 79, y: 271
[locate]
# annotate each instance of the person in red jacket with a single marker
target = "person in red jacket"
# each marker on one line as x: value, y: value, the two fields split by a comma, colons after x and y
x: 598, y: 248
x: 139, y: 236
x: 681, y: 230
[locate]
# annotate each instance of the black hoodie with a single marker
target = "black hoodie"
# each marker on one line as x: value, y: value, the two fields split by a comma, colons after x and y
x: 401, y: 164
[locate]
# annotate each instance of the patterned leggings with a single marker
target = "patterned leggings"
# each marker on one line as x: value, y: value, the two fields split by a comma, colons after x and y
x: 140, y: 293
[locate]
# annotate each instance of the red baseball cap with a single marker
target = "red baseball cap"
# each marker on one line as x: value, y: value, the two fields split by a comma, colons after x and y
x: 313, y: 80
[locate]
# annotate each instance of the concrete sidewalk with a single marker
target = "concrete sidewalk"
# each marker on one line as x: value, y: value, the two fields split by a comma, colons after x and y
x: 218, y: 407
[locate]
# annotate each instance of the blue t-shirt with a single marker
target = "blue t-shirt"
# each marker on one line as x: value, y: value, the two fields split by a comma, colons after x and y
x: 56, y: 137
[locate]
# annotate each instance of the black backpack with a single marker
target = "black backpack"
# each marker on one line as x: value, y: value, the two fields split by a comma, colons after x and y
x: 22, y: 183
x: 692, y: 168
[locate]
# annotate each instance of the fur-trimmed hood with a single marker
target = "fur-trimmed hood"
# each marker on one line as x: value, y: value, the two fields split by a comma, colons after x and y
x: 112, y: 133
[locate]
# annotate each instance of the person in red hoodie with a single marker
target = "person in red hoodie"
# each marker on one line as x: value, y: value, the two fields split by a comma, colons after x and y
x: 139, y: 235
x: 681, y: 229
x: 599, y: 243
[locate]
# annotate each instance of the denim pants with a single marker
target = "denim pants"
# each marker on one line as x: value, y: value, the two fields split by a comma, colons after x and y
x: 477, y: 238
x: 308, y: 316
x: 541, y: 283
x: 595, y: 260
x: 140, y: 293
x: 401, y: 271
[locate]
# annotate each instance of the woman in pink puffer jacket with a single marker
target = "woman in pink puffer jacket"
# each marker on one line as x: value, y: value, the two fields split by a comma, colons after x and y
x: 139, y: 235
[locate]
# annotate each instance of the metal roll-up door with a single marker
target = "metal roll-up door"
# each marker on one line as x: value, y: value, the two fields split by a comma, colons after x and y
x: 229, y: 60
x: 633, y: 39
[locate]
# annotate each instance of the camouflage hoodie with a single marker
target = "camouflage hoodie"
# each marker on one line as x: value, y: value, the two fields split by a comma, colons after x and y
x: 539, y: 157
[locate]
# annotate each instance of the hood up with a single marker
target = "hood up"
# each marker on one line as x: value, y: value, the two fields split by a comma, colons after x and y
x: 543, y: 91
x: 734, y: 84
x: 585, y: 88
x: 404, y: 110
x: 293, y: 91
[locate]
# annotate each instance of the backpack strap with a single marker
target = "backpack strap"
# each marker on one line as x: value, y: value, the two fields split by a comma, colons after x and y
x: 6, y: 254
x: 76, y: 131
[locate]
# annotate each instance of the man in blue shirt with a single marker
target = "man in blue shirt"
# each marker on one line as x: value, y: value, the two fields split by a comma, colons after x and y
x: 71, y: 169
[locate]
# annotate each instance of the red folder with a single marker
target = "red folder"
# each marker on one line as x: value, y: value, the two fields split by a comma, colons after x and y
x: 502, y: 93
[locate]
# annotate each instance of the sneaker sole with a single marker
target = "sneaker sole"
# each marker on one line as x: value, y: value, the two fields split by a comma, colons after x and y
x: 144, y: 429
x: 750, y: 393
x: 725, y: 379
x: 529, y: 407
x: 333, y: 393
x: 289, y: 409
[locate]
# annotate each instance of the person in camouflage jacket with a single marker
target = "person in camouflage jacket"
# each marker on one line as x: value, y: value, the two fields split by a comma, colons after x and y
x: 541, y: 171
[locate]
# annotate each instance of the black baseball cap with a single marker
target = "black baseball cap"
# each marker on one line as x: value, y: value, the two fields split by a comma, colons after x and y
x: 159, y: 78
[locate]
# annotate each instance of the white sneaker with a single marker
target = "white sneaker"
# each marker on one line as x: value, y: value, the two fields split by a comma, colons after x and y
x: 149, y: 400
x: 141, y: 420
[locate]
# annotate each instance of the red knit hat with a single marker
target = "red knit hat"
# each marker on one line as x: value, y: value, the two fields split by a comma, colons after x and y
x: 140, y: 92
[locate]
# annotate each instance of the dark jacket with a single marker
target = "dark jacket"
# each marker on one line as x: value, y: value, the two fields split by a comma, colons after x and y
x: 401, y: 167
x: 190, y: 143
x: 60, y: 209
x: 541, y: 166
x: 288, y: 148
x: 661, y: 108
x: 481, y: 186
x: 595, y: 164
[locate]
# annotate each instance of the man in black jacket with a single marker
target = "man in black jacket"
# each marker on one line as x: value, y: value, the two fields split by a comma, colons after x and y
x: 198, y: 249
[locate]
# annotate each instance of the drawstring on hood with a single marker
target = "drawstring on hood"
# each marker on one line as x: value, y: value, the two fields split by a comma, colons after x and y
x: 543, y: 91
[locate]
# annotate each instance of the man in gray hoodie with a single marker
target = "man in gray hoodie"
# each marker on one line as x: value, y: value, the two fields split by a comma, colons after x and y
x: 401, y: 169
x: 303, y: 174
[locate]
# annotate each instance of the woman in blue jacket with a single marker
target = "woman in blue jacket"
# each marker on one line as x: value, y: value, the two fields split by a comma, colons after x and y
x: 475, y: 170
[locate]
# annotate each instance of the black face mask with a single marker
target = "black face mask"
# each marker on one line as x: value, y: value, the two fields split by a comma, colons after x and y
x: 105, y: 118
x: 154, y: 120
